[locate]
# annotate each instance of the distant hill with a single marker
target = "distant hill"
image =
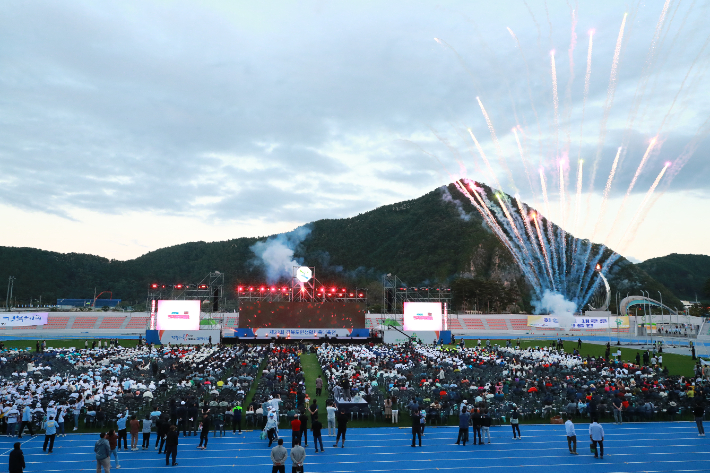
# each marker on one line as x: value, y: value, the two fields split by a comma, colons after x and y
x: 425, y: 241
x: 685, y: 275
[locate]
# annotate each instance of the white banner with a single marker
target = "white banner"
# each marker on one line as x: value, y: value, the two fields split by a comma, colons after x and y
x: 191, y: 337
x: 23, y: 319
x: 301, y: 332
x: 590, y: 322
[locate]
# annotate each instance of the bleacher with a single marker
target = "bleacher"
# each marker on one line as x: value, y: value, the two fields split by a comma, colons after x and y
x: 474, y: 324
x: 497, y: 324
x: 111, y: 322
x: 85, y: 322
x: 138, y: 322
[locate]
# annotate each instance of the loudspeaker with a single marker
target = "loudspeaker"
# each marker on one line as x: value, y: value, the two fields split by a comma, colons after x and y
x: 215, y: 300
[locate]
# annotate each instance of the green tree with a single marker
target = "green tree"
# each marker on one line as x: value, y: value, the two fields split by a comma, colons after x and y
x: 706, y: 288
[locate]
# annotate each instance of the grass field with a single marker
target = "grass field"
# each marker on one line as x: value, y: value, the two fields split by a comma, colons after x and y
x: 74, y: 343
x: 677, y: 364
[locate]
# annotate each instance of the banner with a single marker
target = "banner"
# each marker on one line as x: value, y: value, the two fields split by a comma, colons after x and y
x: 543, y: 321
x: 189, y: 337
x: 601, y: 322
x: 23, y: 319
x: 294, y: 333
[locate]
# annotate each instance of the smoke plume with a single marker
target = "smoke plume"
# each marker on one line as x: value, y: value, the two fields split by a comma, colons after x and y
x: 276, y: 253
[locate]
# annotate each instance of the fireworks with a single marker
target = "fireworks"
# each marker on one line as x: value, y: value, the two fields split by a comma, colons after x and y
x: 550, y: 258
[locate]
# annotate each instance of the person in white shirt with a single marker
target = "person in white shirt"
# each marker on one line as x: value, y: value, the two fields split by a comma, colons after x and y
x: 596, y: 435
x: 571, y: 437
x: 331, y: 418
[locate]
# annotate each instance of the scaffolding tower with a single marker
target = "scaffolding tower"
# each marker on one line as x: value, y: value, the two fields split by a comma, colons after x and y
x: 396, y: 292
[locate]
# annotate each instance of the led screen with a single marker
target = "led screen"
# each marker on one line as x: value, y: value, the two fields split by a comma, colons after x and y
x: 301, y: 315
x: 178, y: 315
x: 420, y: 316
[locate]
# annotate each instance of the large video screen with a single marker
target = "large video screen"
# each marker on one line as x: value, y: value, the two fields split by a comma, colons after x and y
x: 178, y: 315
x: 422, y: 316
x: 301, y: 315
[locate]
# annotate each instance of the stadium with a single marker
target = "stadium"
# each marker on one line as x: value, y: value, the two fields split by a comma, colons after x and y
x: 354, y: 237
x: 312, y: 353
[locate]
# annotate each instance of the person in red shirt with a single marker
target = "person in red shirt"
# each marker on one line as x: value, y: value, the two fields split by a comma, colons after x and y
x: 135, y: 428
x: 295, y: 430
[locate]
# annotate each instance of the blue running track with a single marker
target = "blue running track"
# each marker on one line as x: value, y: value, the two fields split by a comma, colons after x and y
x: 543, y: 448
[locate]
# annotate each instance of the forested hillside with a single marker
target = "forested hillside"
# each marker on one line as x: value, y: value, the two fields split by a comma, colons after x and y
x: 433, y: 239
x: 685, y: 275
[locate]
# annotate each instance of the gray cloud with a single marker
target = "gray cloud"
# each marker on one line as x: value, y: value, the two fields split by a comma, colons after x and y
x: 237, y: 111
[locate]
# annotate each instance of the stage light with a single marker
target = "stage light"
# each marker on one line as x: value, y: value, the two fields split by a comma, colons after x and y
x: 361, y: 295
x: 178, y: 286
x: 351, y: 295
x: 202, y: 286
x: 284, y: 289
x: 154, y: 286
x: 321, y: 290
x: 163, y: 286
x: 342, y: 290
x: 261, y: 288
x: 273, y: 289
x: 251, y: 289
x: 240, y: 288
x: 332, y: 289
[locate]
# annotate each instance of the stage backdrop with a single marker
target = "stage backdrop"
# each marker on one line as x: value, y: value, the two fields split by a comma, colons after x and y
x: 301, y: 315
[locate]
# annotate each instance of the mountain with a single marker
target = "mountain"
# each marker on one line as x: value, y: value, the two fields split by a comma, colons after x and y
x: 685, y: 275
x: 430, y: 240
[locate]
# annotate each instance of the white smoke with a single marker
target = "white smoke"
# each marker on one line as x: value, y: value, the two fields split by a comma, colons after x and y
x: 276, y: 253
x: 555, y: 304
x: 447, y: 197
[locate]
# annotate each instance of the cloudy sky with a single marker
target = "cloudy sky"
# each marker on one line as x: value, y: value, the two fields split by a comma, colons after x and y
x: 130, y: 126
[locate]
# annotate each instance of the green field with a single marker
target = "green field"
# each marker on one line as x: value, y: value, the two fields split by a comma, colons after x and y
x: 677, y: 364
x: 74, y: 343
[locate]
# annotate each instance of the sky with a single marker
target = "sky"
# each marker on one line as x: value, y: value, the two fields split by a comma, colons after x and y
x: 130, y: 126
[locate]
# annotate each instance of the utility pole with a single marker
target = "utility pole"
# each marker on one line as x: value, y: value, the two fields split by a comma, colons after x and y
x: 10, y: 286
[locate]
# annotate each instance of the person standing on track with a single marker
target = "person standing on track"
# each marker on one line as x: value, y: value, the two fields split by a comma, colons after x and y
x: 303, y: 435
x: 205, y: 433
x: 135, y: 428
x: 17, y: 459
x: 49, y: 434
x: 147, y: 424
x: 171, y: 445
x: 416, y: 427
x: 121, y: 426
x: 278, y: 457
x: 298, y: 456
x: 476, y: 424
x: 295, y: 429
x: 515, y: 423
x: 237, y: 419
x: 596, y: 435
x: 330, y: 409
x: 699, y: 413
x: 486, y: 425
x: 571, y: 437
x: 342, y: 427
x: 113, y: 445
x: 464, y: 420
x: 102, y: 449
x: 316, y: 427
